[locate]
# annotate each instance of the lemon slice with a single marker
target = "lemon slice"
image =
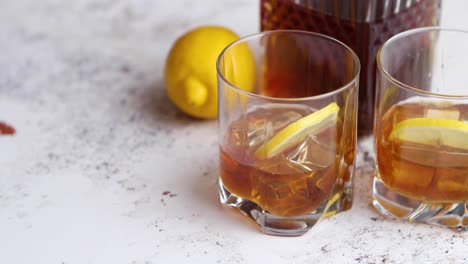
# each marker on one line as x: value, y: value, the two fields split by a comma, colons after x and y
x: 297, y: 131
x: 432, y: 132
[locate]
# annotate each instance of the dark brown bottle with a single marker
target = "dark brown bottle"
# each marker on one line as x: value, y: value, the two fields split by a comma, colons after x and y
x: 363, y: 25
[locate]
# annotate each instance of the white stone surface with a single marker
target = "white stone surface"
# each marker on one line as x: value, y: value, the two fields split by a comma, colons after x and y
x: 98, y: 143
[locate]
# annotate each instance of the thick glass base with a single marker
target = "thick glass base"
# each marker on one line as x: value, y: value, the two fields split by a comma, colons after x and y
x: 397, y: 206
x: 285, y: 226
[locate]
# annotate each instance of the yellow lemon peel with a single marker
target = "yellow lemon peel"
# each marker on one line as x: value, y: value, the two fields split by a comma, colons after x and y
x: 432, y: 132
x: 297, y: 131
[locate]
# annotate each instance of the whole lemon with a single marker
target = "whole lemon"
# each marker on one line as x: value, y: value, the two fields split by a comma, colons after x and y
x: 190, y: 70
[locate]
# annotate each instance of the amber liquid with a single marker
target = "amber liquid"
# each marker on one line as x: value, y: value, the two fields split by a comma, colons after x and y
x: 364, y: 38
x: 433, y: 173
x: 292, y: 183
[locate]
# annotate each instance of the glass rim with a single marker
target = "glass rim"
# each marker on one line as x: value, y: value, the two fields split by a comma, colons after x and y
x: 403, y: 85
x: 285, y: 99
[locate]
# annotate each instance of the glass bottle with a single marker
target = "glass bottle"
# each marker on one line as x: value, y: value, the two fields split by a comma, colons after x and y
x: 361, y: 24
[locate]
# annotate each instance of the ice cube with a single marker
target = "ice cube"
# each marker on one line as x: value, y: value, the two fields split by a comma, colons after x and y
x: 287, y: 194
x: 261, y: 128
x: 246, y: 132
x: 431, y: 155
x: 281, y: 120
x: 444, y: 114
x: 285, y: 187
x: 299, y: 187
x: 326, y: 179
x: 279, y: 165
x: 279, y: 190
x: 452, y: 179
x: 312, y: 155
x: 237, y: 134
x: 407, y: 175
x: 257, y: 132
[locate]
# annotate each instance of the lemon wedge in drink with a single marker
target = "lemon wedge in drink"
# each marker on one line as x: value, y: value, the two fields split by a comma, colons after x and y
x: 297, y: 131
x: 432, y: 132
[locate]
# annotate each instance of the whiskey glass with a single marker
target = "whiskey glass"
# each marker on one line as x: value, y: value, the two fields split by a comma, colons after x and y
x: 287, y: 133
x: 421, y: 127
